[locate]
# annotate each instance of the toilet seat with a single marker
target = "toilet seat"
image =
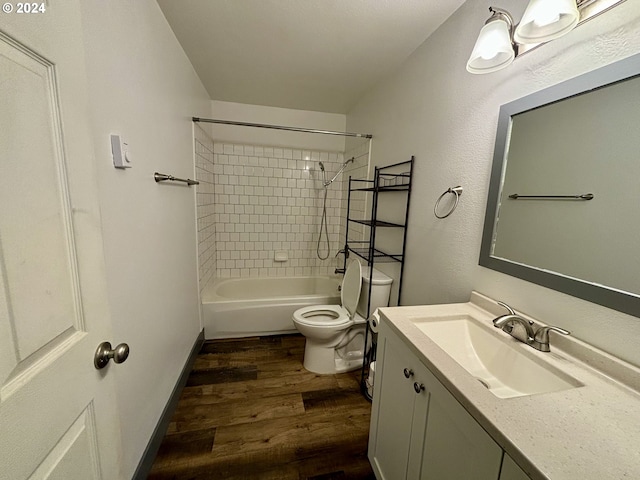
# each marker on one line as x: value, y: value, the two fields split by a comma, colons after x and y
x: 332, y: 316
x: 323, y: 316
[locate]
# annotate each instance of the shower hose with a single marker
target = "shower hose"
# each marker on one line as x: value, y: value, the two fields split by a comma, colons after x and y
x: 323, y: 226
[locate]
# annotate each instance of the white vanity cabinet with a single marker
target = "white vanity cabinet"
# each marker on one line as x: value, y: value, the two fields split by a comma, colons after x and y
x: 418, y: 429
x: 396, y: 409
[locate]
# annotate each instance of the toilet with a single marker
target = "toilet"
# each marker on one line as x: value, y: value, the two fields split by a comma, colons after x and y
x: 335, y: 333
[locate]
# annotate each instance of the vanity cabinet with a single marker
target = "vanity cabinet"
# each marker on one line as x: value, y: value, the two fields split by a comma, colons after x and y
x: 418, y: 429
x: 396, y: 406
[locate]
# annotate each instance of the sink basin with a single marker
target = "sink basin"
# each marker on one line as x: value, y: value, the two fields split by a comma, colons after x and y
x: 491, y: 357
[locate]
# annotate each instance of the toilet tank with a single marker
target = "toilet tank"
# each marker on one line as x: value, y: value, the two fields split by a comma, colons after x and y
x: 380, y: 291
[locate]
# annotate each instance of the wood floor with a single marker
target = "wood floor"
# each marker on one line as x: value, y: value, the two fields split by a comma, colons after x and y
x: 251, y: 411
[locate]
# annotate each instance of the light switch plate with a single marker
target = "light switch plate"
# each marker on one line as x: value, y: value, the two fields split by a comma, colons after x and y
x: 120, y: 152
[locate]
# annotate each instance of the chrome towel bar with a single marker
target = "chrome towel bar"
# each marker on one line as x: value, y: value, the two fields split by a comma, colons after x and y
x: 161, y: 177
x: 584, y: 196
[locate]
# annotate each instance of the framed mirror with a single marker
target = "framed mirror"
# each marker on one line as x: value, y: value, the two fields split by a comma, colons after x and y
x: 563, y: 209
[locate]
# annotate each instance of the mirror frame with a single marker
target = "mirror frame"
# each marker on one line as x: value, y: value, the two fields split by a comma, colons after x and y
x: 616, y: 299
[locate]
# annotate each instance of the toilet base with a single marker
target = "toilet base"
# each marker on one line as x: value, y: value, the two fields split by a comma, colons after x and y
x: 324, y: 360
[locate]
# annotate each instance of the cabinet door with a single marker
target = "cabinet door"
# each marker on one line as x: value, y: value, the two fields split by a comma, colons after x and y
x: 511, y: 471
x: 455, y: 445
x: 393, y: 407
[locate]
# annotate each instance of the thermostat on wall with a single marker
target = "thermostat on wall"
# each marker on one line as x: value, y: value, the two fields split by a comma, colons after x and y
x: 120, y: 152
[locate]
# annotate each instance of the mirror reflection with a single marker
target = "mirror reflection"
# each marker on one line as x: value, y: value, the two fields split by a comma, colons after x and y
x: 564, y: 205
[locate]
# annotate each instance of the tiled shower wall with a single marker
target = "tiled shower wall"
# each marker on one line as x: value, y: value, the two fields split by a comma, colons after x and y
x: 360, y: 201
x: 270, y: 200
x: 205, y: 206
x: 254, y: 201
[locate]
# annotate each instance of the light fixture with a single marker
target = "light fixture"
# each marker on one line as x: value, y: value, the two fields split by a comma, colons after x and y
x: 494, y: 48
x: 500, y: 40
x: 545, y: 20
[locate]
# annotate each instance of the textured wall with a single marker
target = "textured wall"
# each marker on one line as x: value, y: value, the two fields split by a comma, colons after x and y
x: 432, y: 108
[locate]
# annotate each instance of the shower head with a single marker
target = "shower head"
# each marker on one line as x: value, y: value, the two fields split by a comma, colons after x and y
x: 321, y: 166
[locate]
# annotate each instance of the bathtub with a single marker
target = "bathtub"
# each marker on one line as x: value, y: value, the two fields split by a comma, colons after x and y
x: 243, y: 307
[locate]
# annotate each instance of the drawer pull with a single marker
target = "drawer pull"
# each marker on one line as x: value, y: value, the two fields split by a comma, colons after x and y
x: 408, y: 372
x: 418, y: 387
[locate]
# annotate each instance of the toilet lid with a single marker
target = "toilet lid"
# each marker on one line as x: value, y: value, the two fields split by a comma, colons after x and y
x: 351, y: 285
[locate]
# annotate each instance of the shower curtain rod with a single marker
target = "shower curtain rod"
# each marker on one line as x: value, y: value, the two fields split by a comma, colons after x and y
x: 280, y: 127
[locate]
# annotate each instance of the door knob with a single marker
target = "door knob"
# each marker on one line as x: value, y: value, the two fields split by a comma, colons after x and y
x: 408, y: 372
x: 418, y: 387
x: 104, y: 353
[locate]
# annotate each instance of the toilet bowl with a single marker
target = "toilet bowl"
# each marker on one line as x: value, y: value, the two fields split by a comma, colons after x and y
x: 335, y: 333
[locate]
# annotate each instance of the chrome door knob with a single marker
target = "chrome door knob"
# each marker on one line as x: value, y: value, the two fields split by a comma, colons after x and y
x: 104, y: 353
x: 408, y: 372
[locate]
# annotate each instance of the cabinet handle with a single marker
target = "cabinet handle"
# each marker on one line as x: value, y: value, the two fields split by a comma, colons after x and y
x: 408, y: 372
x: 418, y: 387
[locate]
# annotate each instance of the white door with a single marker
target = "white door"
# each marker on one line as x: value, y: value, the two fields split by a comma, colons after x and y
x: 57, y: 411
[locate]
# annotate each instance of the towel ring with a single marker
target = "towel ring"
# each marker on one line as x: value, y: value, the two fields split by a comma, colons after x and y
x: 457, y: 191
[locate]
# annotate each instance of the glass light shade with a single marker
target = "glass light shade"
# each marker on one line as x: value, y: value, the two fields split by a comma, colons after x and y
x: 545, y: 20
x: 493, y: 50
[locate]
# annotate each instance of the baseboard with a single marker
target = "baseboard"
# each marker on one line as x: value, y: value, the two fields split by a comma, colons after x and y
x: 144, y: 467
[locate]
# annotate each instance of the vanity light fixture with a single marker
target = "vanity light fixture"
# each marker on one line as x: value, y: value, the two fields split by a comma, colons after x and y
x: 501, y: 40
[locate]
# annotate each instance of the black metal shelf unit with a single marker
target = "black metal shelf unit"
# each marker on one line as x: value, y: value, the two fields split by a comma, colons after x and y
x: 390, y: 178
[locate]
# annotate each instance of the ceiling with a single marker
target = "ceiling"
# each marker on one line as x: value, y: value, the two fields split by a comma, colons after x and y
x: 320, y: 55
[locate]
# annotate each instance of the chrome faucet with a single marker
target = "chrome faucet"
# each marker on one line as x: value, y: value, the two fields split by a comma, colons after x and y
x: 538, y: 340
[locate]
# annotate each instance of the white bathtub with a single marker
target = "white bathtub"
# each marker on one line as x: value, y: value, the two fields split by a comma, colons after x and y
x: 242, y: 307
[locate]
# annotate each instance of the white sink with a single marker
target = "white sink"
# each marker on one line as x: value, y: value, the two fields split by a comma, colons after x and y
x: 489, y: 354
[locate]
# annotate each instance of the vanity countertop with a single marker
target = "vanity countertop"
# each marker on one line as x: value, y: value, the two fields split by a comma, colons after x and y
x: 588, y: 432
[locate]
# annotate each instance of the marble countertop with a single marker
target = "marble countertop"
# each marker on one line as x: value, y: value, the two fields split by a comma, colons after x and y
x: 588, y: 432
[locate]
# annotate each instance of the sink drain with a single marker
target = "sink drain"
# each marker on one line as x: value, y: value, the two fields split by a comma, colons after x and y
x: 484, y: 384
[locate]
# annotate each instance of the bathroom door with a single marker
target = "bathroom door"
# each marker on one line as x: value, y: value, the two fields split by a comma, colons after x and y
x: 58, y: 416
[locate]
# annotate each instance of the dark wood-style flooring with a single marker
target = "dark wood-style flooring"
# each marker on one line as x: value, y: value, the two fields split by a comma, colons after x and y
x: 251, y: 411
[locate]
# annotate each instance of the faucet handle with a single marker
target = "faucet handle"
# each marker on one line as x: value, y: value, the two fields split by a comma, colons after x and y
x: 511, y: 310
x: 541, y: 338
x: 542, y: 334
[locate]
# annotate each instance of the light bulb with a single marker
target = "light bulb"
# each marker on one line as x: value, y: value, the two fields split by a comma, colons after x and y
x: 544, y: 20
x: 488, y: 55
x: 493, y: 49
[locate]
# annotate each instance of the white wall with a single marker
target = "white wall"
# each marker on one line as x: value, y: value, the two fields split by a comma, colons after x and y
x: 240, y: 112
x: 143, y: 87
x: 432, y: 108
